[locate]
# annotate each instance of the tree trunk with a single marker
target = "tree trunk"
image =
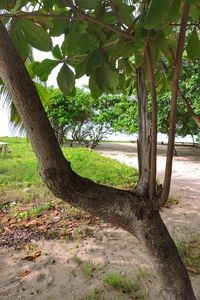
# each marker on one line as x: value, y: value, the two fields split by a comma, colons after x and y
x: 120, y: 207
x: 143, y: 134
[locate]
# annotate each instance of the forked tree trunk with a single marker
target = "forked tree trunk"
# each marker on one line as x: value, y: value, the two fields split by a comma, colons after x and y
x: 123, y: 208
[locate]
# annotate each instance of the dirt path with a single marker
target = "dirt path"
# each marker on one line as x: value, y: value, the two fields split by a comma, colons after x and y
x: 185, y: 186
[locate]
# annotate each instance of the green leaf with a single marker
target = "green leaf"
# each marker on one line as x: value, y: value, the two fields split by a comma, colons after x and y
x: 94, y: 60
x: 59, y: 27
x: 35, y: 35
x: 125, y: 11
x: 81, y: 68
x: 193, y: 46
x: 87, y: 4
x: 57, y: 52
x: 193, y: 1
x: 44, y: 68
x: 43, y: 93
x: 95, y: 91
x: 48, y: 4
x: 139, y: 46
x: 195, y: 12
x: 87, y: 42
x: 157, y: 10
x: 107, y: 79
x: 66, y: 80
x: 19, y: 41
x: 19, y: 4
x: 161, y: 42
x: 3, y: 4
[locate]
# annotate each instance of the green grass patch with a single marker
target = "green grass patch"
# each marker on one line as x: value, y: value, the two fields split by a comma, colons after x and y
x: 20, y: 168
x: 93, y: 295
x: 120, y: 283
x: 190, y: 253
x: 35, y: 211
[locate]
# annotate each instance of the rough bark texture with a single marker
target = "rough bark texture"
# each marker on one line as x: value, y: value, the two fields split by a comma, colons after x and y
x: 122, y: 208
x: 143, y: 134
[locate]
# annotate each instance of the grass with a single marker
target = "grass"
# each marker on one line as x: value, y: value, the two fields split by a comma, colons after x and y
x: 93, y: 295
x: 190, y: 253
x: 120, y: 283
x: 20, y: 169
x: 171, y: 201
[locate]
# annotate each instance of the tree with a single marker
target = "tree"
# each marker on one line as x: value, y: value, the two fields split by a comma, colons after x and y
x: 185, y: 125
x: 118, y: 112
x: 123, y: 42
x: 78, y: 116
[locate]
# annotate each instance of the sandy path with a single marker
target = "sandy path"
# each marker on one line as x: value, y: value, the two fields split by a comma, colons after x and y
x: 184, y: 217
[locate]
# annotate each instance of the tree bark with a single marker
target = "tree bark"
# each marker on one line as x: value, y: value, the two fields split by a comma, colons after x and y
x: 172, y: 120
x: 153, y: 162
x: 143, y: 134
x: 123, y: 208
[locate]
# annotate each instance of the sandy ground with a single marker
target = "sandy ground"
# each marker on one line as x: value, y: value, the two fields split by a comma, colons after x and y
x: 73, y: 270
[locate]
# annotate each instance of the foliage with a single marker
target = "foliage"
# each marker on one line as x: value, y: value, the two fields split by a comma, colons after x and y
x: 190, y: 253
x: 119, y: 112
x: 100, y: 49
x: 119, y: 282
x: 20, y: 168
x: 184, y: 125
x: 88, y: 120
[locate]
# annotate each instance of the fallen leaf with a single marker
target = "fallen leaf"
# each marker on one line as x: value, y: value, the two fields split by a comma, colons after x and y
x: 24, y: 273
x: 33, y: 255
x: 192, y: 270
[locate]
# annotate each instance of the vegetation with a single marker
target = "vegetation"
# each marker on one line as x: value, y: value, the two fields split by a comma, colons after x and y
x: 119, y: 282
x: 190, y: 253
x: 20, y: 168
x: 119, y: 45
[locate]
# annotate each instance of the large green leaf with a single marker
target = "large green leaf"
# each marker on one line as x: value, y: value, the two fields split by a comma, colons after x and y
x: 66, y: 80
x: 57, y: 52
x: 95, y: 91
x: 157, y: 11
x: 87, y: 42
x: 193, y: 46
x: 19, y: 41
x: 107, y: 79
x: 42, y: 92
x: 87, y: 4
x: 44, y: 69
x: 35, y: 35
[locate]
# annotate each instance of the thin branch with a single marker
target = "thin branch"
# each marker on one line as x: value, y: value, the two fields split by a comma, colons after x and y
x: 97, y: 21
x: 153, y: 165
x: 36, y: 14
x: 171, y: 133
x: 80, y: 16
